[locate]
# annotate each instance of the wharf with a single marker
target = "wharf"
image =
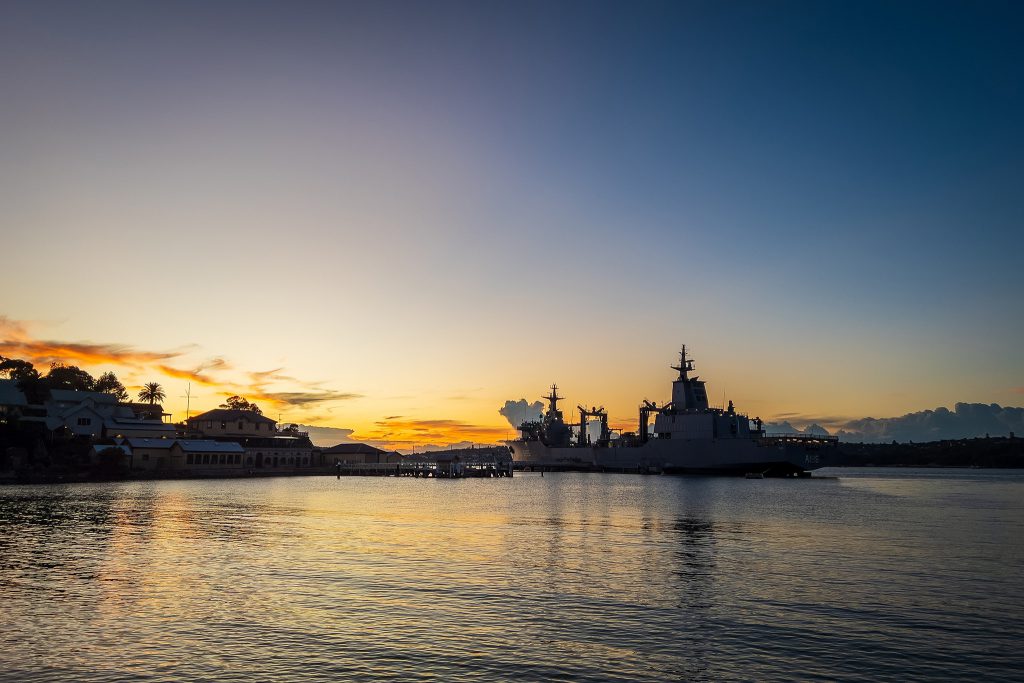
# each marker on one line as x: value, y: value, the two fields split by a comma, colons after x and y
x: 436, y: 469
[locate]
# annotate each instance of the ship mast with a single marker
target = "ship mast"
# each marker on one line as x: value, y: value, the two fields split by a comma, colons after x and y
x: 685, y: 365
x: 688, y: 393
x: 553, y: 398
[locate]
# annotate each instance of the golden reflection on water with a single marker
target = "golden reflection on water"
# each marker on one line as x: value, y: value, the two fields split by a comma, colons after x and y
x: 587, y: 577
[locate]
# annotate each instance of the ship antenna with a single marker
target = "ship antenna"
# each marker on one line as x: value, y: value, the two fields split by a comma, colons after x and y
x: 553, y: 397
x: 685, y: 364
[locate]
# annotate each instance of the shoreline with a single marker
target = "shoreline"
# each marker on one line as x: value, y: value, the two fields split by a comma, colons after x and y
x: 14, y: 480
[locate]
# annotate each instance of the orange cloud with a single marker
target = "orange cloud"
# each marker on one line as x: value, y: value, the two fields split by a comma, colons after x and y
x: 296, y: 399
x: 306, y: 394
x: 12, y: 328
x: 190, y: 375
x: 16, y: 341
x: 266, y: 376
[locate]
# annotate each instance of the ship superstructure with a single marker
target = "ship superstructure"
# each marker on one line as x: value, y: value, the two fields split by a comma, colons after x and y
x: 688, y: 435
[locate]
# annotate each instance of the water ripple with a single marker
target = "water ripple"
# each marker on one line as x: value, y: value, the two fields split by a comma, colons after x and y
x: 874, y: 576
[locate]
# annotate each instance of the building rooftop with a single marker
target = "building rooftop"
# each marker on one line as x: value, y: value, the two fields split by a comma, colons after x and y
x: 207, y: 446
x: 72, y: 396
x: 228, y: 414
x: 150, y: 443
x: 136, y: 423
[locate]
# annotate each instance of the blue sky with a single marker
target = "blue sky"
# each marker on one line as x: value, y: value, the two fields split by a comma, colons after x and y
x: 822, y: 198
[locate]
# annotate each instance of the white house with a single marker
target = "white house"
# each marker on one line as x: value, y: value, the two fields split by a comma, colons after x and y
x: 81, y: 412
x: 94, y: 414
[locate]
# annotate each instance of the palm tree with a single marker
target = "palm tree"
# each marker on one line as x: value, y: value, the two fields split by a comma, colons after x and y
x: 152, y: 392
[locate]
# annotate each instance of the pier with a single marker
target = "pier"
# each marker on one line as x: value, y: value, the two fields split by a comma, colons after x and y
x: 438, y: 469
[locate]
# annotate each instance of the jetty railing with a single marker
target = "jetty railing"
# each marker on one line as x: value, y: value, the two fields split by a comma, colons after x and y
x: 436, y: 469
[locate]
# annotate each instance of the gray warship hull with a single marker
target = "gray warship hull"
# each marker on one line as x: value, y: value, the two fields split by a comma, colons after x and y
x: 778, y: 456
x: 688, y: 436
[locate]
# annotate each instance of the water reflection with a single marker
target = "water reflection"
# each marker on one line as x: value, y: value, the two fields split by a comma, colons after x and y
x: 578, y: 577
x: 695, y: 572
x: 696, y: 562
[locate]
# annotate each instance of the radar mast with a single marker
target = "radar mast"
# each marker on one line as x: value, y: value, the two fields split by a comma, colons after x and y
x: 553, y: 398
x: 685, y: 365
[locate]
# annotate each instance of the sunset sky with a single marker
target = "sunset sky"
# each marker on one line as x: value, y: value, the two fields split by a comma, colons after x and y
x: 392, y: 217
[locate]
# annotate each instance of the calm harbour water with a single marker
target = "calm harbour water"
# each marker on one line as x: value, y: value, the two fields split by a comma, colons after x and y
x: 875, y: 575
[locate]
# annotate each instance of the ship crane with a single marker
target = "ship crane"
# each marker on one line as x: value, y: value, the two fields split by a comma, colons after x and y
x: 646, y: 408
x: 600, y: 413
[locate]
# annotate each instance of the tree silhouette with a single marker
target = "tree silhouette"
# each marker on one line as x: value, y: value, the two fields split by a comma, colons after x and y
x: 72, y: 377
x: 152, y: 393
x: 108, y: 383
x: 28, y: 378
x: 18, y: 370
x: 239, y: 403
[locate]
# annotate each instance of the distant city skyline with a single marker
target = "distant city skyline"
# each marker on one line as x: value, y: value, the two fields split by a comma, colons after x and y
x: 392, y: 219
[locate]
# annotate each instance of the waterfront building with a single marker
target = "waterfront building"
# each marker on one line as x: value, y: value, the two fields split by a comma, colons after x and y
x: 264, y: 444
x: 448, y: 464
x: 356, y: 454
x: 472, y: 454
x: 176, y: 455
x: 226, y: 422
x: 281, y: 451
x: 206, y: 455
x: 151, y: 454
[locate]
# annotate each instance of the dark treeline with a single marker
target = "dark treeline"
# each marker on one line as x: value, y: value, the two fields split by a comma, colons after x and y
x: 981, y: 452
x: 37, y: 386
